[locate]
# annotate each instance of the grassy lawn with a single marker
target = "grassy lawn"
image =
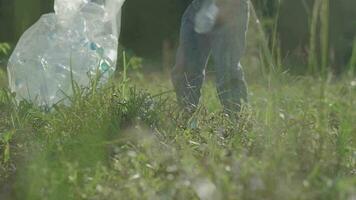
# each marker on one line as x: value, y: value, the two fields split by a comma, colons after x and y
x: 296, y: 140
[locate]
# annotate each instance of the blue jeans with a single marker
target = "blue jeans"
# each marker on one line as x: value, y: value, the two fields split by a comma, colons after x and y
x: 225, y: 43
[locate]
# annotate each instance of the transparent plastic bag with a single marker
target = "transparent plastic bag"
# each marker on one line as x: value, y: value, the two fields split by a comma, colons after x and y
x: 75, y: 43
x: 206, y: 18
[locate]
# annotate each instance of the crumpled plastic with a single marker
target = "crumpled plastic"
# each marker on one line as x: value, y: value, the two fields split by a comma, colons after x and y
x: 76, y: 43
x: 206, y: 18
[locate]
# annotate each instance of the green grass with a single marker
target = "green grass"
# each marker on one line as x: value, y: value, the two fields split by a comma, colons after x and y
x: 128, y: 140
x: 289, y: 144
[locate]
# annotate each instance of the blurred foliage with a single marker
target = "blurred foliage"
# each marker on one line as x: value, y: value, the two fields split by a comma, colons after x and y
x: 4, y: 49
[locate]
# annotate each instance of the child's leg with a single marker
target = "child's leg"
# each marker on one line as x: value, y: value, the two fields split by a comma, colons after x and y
x: 192, y: 56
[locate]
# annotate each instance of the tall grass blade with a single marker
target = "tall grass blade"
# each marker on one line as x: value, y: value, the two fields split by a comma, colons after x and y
x: 313, y: 55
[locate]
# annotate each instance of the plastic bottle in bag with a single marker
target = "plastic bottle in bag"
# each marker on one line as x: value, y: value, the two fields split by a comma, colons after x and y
x: 75, y: 43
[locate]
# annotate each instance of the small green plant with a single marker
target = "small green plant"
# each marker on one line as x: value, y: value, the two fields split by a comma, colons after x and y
x: 133, y: 65
x: 5, y: 139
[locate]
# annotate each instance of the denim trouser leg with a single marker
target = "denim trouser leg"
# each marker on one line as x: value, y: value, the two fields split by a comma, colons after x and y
x: 193, y: 52
x: 227, y: 49
x: 226, y: 42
